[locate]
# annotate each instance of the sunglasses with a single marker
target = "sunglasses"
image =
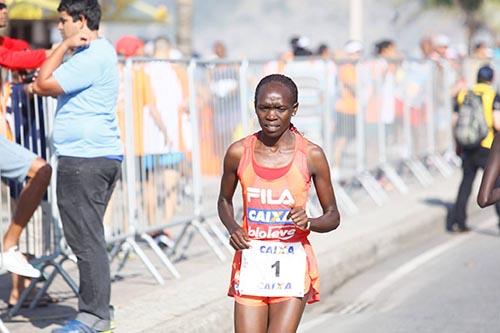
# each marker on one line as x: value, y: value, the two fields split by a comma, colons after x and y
x: 3, y: 6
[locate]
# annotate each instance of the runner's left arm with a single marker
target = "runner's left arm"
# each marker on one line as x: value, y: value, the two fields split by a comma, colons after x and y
x: 320, y: 173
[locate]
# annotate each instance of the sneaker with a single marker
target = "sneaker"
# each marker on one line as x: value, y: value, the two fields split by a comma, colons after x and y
x: 14, y: 261
x: 74, y: 326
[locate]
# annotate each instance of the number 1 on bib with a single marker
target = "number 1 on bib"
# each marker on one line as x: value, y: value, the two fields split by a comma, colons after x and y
x: 273, y: 269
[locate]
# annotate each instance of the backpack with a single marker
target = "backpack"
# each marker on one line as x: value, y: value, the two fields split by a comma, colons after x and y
x: 471, y: 126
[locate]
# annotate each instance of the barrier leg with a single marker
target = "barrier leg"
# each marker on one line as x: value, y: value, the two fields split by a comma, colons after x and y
x: 3, y: 329
x: 394, y: 178
x: 420, y: 172
x: 173, y: 250
x: 345, y: 201
x: 151, y: 242
x: 40, y: 293
x: 210, y: 241
x: 123, y: 246
x: 22, y: 298
x: 149, y: 265
x: 375, y: 191
x: 186, y: 236
x: 114, y: 251
x: 66, y: 277
x: 445, y: 169
x: 452, y: 158
x: 220, y: 236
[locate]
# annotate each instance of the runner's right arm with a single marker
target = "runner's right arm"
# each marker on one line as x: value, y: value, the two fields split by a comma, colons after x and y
x: 239, y: 239
x: 488, y: 194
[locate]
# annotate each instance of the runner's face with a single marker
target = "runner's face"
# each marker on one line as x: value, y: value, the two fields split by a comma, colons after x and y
x: 275, y: 108
x: 67, y: 27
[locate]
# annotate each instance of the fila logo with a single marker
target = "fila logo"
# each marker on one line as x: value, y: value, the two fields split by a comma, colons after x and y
x: 266, y: 196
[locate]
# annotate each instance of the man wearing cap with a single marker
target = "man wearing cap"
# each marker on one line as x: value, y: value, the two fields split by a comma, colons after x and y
x: 475, y: 158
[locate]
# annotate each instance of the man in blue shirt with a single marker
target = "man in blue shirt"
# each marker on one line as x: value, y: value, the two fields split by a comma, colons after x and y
x: 83, y: 73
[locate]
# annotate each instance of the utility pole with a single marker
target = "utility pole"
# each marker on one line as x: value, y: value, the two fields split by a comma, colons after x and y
x: 184, y: 26
x: 356, y: 20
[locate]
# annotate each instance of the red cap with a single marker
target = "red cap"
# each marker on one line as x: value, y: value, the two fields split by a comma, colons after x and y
x: 129, y: 45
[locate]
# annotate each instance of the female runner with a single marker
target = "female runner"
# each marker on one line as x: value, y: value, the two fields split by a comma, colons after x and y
x: 274, y: 271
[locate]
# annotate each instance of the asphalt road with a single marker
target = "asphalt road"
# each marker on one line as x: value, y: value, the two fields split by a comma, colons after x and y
x: 449, y: 283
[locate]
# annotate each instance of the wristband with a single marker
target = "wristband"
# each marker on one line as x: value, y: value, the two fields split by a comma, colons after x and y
x: 308, y: 225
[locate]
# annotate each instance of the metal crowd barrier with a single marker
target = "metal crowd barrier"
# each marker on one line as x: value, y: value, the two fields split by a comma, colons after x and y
x: 42, y: 237
x: 373, y: 118
x: 4, y: 222
x: 166, y: 152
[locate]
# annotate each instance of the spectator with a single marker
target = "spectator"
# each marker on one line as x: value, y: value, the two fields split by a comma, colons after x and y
x: 346, y: 105
x: 386, y: 49
x: 89, y: 151
x: 427, y: 48
x: 323, y: 52
x: 163, y: 49
x: 441, y: 44
x: 288, y: 55
x: 17, y: 163
x: 302, y: 48
x: 475, y: 158
x: 219, y: 50
x: 496, y: 51
x: 482, y: 52
x: 15, y: 54
x: 129, y: 46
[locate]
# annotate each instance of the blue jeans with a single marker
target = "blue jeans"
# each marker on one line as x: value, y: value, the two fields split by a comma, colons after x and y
x: 84, y: 187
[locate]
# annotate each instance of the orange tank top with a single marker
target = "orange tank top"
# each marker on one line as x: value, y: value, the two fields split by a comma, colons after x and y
x: 269, y: 193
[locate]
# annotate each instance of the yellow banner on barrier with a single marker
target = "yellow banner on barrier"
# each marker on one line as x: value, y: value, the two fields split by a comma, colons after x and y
x: 117, y: 10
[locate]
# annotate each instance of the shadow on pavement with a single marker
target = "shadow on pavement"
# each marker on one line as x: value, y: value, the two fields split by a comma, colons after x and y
x: 438, y: 202
x: 446, y: 205
x: 42, y: 316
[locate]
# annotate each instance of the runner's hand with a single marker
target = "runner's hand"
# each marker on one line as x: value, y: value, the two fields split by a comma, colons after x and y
x: 239, y: 239
x: 299, y: 217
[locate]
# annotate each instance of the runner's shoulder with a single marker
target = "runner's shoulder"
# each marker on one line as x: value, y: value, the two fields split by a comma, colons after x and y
x: 314, y: 151
x: 315, y: 157
x: 235, y: 151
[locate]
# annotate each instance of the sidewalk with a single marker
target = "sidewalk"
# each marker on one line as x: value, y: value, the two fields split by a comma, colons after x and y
x: 197, y: 302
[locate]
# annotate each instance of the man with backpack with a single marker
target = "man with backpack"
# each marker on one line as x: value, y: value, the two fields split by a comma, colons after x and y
x: 475, y: 121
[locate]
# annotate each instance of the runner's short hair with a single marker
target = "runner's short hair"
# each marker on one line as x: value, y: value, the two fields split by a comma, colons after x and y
x: 281, y: 79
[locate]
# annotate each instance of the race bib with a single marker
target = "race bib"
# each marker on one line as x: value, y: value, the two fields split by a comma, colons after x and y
x: 273, y: 269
